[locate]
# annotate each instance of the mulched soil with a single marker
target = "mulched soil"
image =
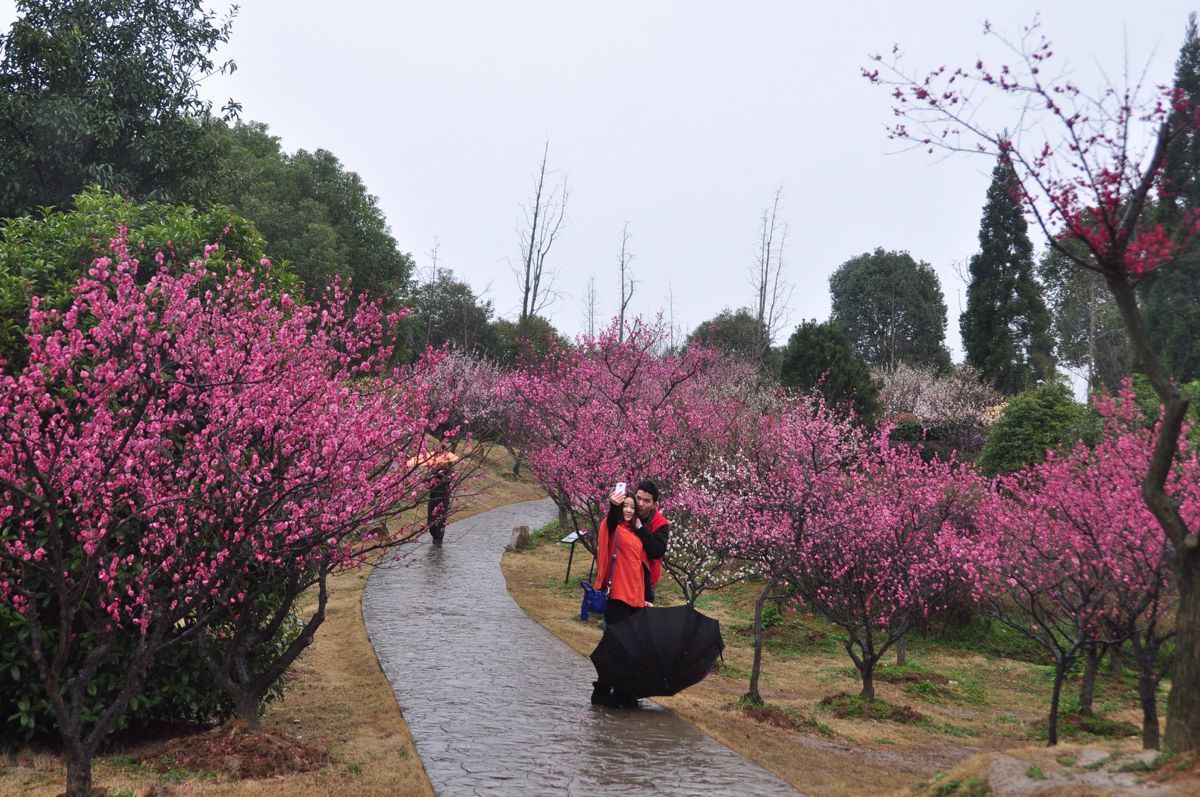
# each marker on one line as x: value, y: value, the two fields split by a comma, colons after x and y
x: 772, y: 715
x: 844, y: 705
x: 237, y: 752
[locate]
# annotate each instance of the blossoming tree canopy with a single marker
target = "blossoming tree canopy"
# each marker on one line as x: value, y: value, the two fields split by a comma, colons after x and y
x: 166, y: 440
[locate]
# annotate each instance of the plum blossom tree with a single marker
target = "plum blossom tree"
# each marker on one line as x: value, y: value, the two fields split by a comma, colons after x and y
x: 1073, y: 559
x: 614, y: 409
x: 1094, y: 493
x: 899, y: 553
x: 1039, y: 575
x: 774, y: 488
x: 173, y: 450
x: 1089, y: 169
x: 956, y: 407
x: 603, y: 411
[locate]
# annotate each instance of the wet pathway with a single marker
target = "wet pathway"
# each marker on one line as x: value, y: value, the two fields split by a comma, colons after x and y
x: 497, y: 705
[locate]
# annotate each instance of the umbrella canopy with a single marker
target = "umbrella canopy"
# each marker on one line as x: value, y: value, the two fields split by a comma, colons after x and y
x: 658, y: 651
x: 433, y: 460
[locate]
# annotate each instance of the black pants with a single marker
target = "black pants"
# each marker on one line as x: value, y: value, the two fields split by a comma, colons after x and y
x: 618, y: 611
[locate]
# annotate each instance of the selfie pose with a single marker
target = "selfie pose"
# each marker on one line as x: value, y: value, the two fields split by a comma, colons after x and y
x: 628, y: 547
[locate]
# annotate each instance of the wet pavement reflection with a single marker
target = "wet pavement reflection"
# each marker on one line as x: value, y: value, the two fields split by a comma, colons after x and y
x: 497, y: 705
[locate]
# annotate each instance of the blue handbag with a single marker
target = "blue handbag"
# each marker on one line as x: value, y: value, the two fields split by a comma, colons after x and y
x: 596, y: 600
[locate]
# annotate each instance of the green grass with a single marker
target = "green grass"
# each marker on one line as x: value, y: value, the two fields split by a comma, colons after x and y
x: 731, y: 670
x: 1073, y: 727
x: 1035, y: 772
x: 923, y: 688
x: 967, y: 688
x: 947, y: 729
x: 132, y: 765
x: 990, y: 639
x: 970, y: 787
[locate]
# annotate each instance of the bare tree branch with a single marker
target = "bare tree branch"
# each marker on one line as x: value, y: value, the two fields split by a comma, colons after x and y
x: 543, y: 223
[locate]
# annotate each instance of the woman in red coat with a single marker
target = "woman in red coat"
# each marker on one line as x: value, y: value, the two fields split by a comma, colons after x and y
x: 629, y: 561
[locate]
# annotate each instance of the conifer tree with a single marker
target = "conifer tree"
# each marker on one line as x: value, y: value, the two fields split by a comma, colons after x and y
x: 1171, y: 297
x: 1006, y: 327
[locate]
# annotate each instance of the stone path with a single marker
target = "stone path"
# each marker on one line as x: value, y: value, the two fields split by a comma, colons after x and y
x: 497, y: 705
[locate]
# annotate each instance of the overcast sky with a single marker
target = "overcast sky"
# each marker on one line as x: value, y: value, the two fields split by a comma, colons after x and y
x: 680, y: 118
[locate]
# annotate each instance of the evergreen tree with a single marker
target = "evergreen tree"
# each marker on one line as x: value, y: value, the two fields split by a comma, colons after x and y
x: 892, y: 309
x: 1171, y: 295
x: 1089, y: 334
x: 820, y: 356
x: 106, y: 92
x: 1006, y: 327
x: 317, y: 216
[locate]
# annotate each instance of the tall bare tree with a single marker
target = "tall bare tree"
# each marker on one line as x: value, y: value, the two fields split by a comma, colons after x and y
x: 627, y: 281
x: 544, y: 219
x: 671, y: 313
x: 590, y: 305
x: 772, y: 292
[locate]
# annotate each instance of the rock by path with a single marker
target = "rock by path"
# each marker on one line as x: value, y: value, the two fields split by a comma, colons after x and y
x: 497, y: 705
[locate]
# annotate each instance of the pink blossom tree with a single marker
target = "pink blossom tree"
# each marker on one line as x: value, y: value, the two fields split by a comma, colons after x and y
x: 1094, y: 494
x: 899, y: 552
x: 603, y: 411
x: 776, y: 486
x: 1039, y: 574
x: 1089, y: 171
x: 620, y: 408
x: 172, y: 450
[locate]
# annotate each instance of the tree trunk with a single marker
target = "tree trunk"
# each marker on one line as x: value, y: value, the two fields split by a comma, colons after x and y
x: 79, y: 773
x: 245, y: 702
x: 516, y: 468
x: 752, y: 694
x: 1060, y: 672
x: 1148, y: 693
x: 1183, y: 703
x: 867, y: 671
x: 901, y: 651
x: 1116, y: 659
x: 1087, y: 686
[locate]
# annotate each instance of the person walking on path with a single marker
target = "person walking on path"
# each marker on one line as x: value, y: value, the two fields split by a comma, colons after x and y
x: 439, y: 501
x: 626, y: 547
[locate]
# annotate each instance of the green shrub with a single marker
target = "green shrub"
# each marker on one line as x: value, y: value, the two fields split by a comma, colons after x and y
x: 1032, y: 423
x: 45, y: 256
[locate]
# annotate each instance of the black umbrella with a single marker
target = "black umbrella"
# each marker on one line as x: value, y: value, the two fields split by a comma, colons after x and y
x: 658, y: 651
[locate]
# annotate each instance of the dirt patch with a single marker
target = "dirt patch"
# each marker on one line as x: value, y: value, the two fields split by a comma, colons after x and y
x: 233, y: 750
x: 846, y: 706
x: 780, y: 717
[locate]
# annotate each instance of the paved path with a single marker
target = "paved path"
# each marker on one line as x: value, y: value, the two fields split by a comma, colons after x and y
x: 497, y: 705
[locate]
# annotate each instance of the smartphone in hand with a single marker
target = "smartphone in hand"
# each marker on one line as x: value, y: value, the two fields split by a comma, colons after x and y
x: 620, y: 488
